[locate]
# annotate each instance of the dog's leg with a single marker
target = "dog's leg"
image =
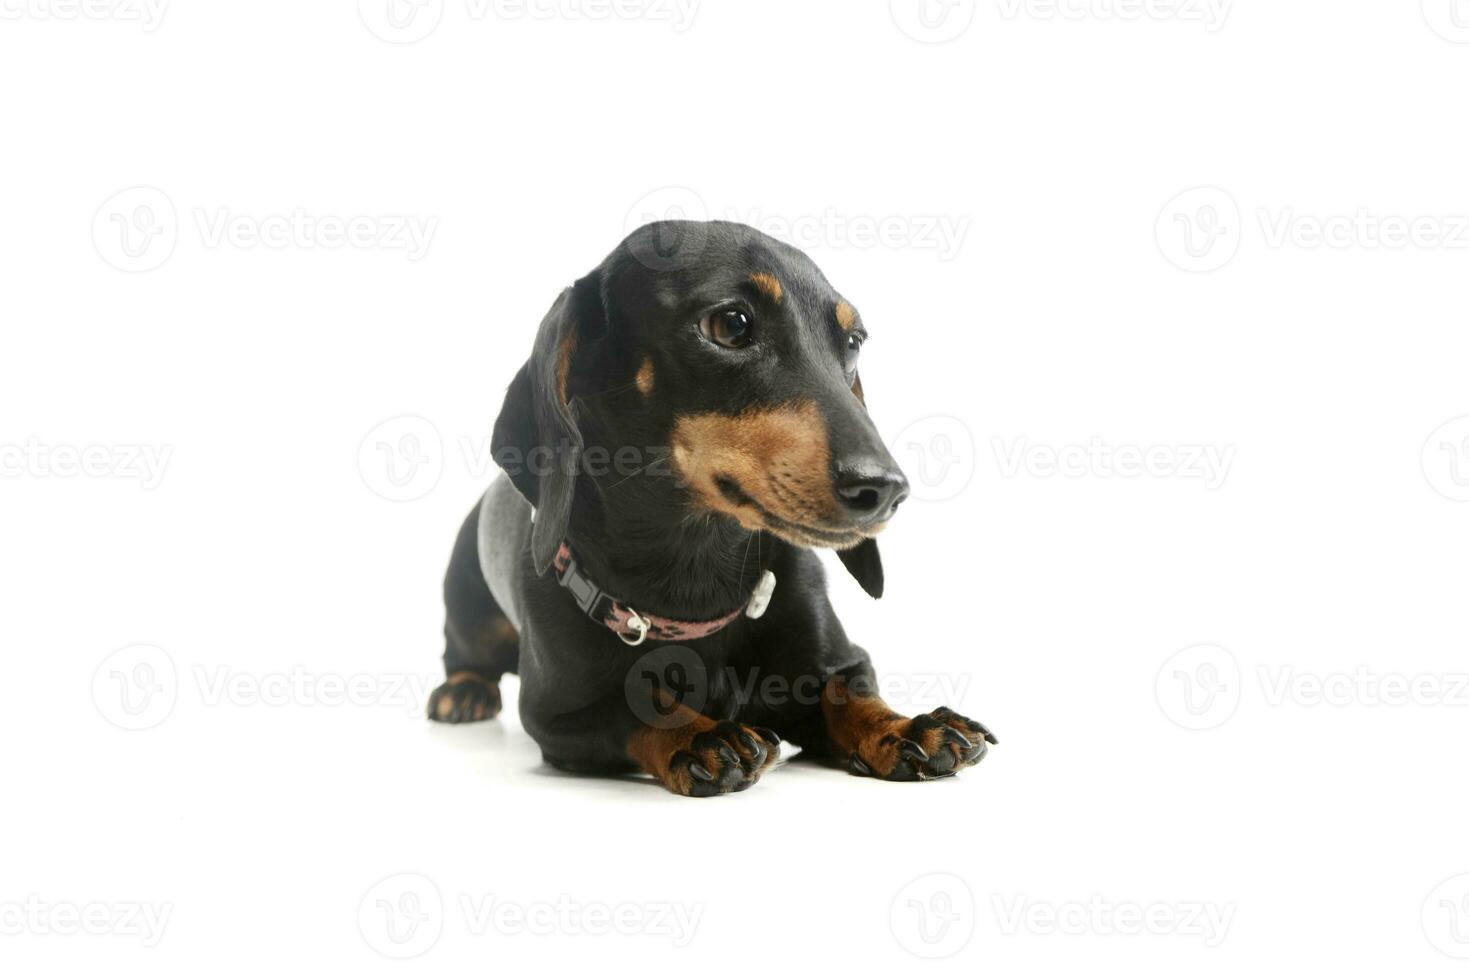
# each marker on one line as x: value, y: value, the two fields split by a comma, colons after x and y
x: 480, y: 643
x: 689, y: 753
x: 875, y: 740
x: 692, y: 755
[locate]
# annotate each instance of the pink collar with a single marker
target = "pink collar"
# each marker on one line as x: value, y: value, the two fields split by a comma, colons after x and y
x: 633, y: 627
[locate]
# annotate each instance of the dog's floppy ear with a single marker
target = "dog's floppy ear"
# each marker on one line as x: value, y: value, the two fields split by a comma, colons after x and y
x: 536, y: 440
x: 865, y: 565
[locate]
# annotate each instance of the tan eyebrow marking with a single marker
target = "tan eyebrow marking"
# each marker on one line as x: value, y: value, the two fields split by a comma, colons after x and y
x: 645, y: 376
x: 768, y: 284
x: 846, y: 316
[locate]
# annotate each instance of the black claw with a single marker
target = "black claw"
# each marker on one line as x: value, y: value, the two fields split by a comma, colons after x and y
x: 857, y: 766
x: 912, y: 750
x: 748, y: 741
x: 768, y: 735
x: 728, y: 756
x: 700, y: 772
x: 955, y: 737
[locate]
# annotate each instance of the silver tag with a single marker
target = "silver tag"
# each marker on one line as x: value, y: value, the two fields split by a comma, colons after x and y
x: 761, y: 596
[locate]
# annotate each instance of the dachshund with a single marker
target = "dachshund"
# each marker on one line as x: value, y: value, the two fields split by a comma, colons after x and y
x: 689, y: 426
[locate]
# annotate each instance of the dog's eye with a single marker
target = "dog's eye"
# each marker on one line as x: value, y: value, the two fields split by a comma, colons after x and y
x: 854, y: 344
x: 727, y: 328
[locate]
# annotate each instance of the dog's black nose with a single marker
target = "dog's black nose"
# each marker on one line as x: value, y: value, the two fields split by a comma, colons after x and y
x: 870, y: 493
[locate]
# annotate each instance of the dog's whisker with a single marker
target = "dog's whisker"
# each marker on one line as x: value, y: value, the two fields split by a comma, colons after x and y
x: 745, y: 558
x: 637, y: 472
x: 614, y: 390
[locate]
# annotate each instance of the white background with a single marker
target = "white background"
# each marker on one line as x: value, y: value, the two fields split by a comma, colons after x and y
x: 1151, y: 648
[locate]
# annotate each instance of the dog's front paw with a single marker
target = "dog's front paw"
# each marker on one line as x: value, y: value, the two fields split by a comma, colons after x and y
x: 725, y: 759
x: 465, y: 696
x: 938, y: 743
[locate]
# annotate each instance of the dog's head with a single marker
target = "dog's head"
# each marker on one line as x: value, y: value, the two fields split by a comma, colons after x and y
x: 716, y: 360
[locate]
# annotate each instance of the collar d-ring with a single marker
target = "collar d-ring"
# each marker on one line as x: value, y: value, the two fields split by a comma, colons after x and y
x: 637, y: 622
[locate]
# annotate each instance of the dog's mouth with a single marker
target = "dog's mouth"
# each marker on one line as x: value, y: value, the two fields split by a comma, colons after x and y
x: 796, y: 532
x: 770, y: 470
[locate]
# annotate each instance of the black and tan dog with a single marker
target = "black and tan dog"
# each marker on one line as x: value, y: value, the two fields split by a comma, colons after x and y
x: 690, y: 423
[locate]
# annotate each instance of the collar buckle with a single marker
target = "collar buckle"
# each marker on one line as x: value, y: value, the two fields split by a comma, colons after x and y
x: 582, y: 589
